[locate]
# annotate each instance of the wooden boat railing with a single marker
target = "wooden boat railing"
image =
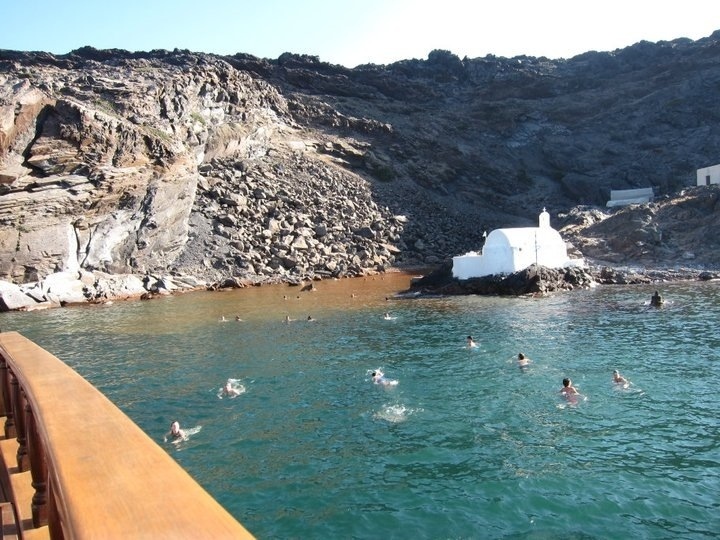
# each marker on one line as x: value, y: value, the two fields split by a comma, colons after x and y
x: 77, y: 467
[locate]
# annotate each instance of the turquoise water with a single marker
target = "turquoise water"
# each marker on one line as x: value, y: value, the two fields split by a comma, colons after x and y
x: 465, y: 446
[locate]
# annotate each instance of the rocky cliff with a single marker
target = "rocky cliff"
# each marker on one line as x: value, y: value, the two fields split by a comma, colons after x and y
x: 255, y: 170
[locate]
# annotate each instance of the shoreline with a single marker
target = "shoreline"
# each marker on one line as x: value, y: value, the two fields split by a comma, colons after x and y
x: 82, y: 288
x: 79, y: 288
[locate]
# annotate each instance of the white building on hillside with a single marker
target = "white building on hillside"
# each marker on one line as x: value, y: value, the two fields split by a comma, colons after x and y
x: 511, y: 250
x: 625, y: 197
x: 708, y: 175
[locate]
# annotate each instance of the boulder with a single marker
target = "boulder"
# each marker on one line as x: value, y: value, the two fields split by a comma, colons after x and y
x: 13, y: 298
x: 68, y: 287
x: 120, y: 286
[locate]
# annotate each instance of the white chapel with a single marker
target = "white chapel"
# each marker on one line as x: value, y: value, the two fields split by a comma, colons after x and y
x: 511, y: 250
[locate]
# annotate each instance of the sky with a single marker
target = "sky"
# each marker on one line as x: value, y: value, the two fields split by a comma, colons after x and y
x: 353, y: 32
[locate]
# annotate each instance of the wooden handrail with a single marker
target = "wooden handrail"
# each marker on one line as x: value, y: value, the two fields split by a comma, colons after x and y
x: 95, y: 473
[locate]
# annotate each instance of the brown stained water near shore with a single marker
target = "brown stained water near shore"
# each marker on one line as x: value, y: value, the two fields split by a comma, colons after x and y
x: 271, y: 302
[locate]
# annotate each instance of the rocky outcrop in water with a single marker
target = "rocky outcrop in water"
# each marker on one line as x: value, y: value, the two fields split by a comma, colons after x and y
x: 208, y: 170
x: 539, y: 280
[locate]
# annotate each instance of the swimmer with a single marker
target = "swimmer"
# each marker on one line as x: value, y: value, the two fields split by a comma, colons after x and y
x: 175, y: 432
x: 223, y: 319
x: 310, y: 318
x: 470, y: 342
x: 378, y: 377
x: 229, y: 390
x: 387, y: 317
x: 569, y: 391
x: 656, y: 300
x: 619, y: 379
x: 523, y: 362
x: 237, y: 318
x: 288, y: 319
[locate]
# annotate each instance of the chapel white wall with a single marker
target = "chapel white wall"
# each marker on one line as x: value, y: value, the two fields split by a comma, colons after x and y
x: 708, y: 175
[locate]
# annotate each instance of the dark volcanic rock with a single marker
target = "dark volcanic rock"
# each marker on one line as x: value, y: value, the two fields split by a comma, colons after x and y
x: 532, y: 280
x: 678, y: 231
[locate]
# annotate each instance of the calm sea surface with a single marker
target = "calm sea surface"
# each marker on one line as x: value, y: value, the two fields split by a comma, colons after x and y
x: 464, y: 446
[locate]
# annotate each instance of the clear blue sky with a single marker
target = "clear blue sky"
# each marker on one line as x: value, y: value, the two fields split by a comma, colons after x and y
x: 353, y: 32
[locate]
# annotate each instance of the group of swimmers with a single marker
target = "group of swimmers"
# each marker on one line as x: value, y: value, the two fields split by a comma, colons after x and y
x: 568, y: 390
x: 387, y: 317
x: 288, y: 319
x: 378, y: 377
x: 237, y: 318
x: 230, y: 389
x: 572, y: 394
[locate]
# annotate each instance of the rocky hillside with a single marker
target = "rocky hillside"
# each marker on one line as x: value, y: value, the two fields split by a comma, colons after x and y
x: 289, y: 169
x: 671, y: 232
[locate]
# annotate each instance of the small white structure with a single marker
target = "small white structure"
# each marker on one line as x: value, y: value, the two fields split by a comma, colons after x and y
x: 511, y: 250
x: 708, y: 175
x: 624, y: 197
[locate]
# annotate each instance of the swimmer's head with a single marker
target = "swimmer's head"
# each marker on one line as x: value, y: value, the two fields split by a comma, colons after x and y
x: 566, y: 382
x: 521, y: 356
x: 469, y: 338
x: 615, y: 372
